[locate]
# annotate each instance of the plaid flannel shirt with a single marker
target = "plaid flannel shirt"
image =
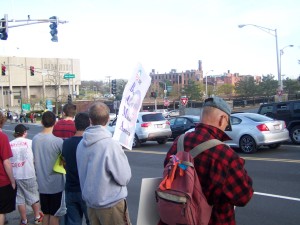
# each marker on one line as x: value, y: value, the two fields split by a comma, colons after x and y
x: 221, y: 171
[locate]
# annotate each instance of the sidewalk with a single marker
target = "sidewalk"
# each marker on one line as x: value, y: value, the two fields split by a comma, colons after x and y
x: 13, y: 218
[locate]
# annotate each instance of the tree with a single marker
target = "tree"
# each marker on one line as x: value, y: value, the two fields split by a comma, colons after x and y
x: 268, y: 86
x: 225, y: 89
x: 291, y: 86
x: 246, y: 87
x: 193, y: 90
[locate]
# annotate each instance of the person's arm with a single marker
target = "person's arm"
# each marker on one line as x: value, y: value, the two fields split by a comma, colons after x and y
x: 9, y: 172
x: 118, y: 165
x: 238, y: 185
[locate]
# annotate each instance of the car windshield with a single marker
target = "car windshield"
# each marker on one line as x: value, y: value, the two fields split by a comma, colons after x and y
x: 257, y: 117
x: 153, y: 117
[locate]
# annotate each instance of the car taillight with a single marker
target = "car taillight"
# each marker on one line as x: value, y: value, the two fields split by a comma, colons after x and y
x: 284, y: 125
x: 168, y: 122
x: 262, y: 127
x: 145, y: 124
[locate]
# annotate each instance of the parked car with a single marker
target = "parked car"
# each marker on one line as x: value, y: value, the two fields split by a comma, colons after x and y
x: 112, y: 116
x: 287, y: 111
x: 150, y: 126
x: 251, y: 131
x: 174, y: 112
x: 165, y: 112
x: 180, y: 124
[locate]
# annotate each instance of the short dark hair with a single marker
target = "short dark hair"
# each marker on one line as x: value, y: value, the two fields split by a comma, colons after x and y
x: 99, y: 113
x: 82, y: 121
x: 48, y: 119
x: 69, y: 109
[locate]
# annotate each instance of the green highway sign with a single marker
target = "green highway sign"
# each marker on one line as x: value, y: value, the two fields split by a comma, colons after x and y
x: 26, y: 107
x: 69, y: 76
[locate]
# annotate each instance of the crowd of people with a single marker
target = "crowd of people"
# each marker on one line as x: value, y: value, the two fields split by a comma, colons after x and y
x: 94, y: 187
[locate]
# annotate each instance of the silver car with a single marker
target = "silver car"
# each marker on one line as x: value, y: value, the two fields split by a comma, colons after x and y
x: 251, y: 131
x: 150, y: 126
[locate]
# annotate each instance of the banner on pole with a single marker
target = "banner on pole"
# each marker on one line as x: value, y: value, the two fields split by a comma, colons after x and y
x: 133, y: 96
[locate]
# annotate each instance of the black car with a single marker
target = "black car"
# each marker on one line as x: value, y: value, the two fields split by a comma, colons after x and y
x: 287, y: 111
x: 180, y: 124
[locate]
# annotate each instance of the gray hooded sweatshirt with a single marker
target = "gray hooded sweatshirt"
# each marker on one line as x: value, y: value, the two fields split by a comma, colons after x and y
x: 103, y: 168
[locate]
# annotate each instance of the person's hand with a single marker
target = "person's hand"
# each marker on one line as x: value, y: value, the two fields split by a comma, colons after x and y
x: 13, y: 184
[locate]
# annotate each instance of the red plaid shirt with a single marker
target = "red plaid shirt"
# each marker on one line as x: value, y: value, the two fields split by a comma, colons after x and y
x: 221, y: 171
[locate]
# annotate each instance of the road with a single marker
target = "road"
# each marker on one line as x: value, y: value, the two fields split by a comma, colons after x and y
x: 275, y: 174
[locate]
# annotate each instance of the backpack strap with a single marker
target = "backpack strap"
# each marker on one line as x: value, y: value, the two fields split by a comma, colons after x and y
x: 199, y: 148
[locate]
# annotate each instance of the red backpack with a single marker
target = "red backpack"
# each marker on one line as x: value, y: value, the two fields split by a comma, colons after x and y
x: 180, y: 200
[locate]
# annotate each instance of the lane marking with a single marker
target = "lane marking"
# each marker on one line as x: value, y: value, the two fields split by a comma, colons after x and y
x: 272, y: 159
x: 246, y: 158
x: 277, y: 196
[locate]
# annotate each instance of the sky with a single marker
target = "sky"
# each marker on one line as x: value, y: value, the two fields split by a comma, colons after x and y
x: 111, y: 37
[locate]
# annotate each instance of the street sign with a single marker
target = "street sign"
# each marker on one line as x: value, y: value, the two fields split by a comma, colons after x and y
x: 166, y: 102
x: 69, y: 76
x: 184, y: 100
x: 26, y: 107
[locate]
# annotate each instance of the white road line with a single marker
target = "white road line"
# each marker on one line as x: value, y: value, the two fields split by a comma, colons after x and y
x: 277, y: 196
x: 246, y: 158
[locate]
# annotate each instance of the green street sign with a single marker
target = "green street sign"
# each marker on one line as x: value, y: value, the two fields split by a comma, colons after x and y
x: 69, y: 76
x: 26, y: 107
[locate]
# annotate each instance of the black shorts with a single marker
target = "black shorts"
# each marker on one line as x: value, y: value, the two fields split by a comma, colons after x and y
x: 50, y: 203
x: 7, y: 199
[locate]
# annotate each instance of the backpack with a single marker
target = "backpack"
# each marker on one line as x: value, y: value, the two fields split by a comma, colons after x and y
x: 179, y: 197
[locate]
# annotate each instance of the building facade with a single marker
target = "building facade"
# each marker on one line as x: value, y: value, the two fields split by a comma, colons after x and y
x: 34, y: 80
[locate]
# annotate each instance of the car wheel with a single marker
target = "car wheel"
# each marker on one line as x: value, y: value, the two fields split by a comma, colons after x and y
x: 136, y: 142
x: 247, y: 144
x: 295, y: 135
x: 162, y: 141
x: 273, y: 146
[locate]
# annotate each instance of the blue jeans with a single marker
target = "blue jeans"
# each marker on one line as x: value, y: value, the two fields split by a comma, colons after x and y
x: 76, y: 207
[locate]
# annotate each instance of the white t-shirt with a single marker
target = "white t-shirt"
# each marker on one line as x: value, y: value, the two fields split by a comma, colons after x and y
x: 22, y: 160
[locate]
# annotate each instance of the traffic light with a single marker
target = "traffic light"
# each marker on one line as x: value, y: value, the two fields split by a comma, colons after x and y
x: 31, y: 70
x: 3, y: 70
x: 153, y: 94
x: 114, y: 86
x: 3, y: 29
x: 53, y: 27
x: 69, y: 98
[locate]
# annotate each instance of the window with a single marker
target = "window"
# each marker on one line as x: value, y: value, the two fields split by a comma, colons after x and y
x: 235, y: 120
x: 297, y: 107
x: 266, y: 109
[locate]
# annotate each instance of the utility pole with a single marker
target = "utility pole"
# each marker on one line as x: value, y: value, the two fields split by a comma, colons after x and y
x: 109, y: 83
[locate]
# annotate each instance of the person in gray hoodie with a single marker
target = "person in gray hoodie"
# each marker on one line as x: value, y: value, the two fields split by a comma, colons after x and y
x: 103, y: 170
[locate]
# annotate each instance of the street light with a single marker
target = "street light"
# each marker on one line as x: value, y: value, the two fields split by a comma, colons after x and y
x: 165, y: 91
x: 206, y: 82
x: 268, y: 30
x: 281, y: 53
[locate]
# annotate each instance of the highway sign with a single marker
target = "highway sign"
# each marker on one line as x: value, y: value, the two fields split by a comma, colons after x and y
x: 69, y: 76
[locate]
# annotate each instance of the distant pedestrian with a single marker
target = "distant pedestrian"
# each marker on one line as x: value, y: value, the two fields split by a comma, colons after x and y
x: 31, y: 117
x: 8, y: 189
x: 104, y: 171
x: 75, y: 204
x: 65, y: 128
x: 46, y: 149
x: 24, y: 173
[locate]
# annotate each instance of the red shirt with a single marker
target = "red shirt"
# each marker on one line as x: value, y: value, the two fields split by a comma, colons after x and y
x: 64, y: 129
x: 221, y: 172
x: 5, y: 153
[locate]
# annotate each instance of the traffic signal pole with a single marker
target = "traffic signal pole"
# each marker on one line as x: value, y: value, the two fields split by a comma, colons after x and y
x: 4, y: 24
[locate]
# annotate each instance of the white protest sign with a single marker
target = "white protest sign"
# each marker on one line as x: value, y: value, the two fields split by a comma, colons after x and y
x: 133, y: 96
x: 147, y: 212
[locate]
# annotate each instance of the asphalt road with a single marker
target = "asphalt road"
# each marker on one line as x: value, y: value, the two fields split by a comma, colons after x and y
x: 275, y: 174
